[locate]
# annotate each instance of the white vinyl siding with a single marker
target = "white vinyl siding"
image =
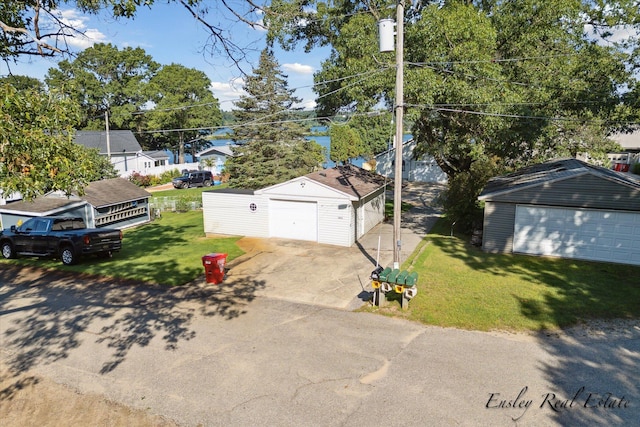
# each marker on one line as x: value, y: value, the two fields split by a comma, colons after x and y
x: 334, y: 222
x: 373, y: 212
x: 225, y: 213
x: 598, y: 235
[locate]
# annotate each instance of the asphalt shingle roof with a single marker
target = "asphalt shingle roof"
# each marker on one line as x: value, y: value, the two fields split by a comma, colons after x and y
x: 349, y: 179
x: 98, y: 194
x: 553, y: 170
x: 119, y: 141
x: 111, y: 191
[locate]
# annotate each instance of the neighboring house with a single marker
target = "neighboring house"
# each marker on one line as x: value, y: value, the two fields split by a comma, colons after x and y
x: 215, y: 157
x: 10, y: 198
x: 564, y: 208
x: 152, y: 159
x: 334, y: 206
x: 630, y: 154
x: 628, y: 141
x: 125, y: 152
x: 422, y: 169
x: 113, y: 203
x: 122, y: 147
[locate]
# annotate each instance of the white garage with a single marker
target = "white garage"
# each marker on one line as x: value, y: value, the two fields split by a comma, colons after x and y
x: 564, y: 208
x: 333, y: 206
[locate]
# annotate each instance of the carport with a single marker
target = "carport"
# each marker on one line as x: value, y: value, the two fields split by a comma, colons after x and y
x: 334, y: 206
x: 565, y: 208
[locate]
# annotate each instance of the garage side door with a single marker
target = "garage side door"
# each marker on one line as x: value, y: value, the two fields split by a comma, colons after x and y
x: 573, y: 233
x: 293, y: 220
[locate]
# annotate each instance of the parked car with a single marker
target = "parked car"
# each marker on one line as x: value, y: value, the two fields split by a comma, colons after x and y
x: 59, y: 236
x: 193, y: 179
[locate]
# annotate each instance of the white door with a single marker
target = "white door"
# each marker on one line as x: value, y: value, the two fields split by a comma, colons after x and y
x: 574, y: 233
x: 293, y: 220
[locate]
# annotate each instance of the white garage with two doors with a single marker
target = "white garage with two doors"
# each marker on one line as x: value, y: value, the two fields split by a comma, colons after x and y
x: 333, y: 206
x: 564, y: 208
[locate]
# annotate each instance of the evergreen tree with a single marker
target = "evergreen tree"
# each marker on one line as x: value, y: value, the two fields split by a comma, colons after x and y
x: 271, y: 147
x: 346, y: 144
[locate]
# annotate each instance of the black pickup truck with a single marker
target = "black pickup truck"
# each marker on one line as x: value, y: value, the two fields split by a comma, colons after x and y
x: 65, y: 237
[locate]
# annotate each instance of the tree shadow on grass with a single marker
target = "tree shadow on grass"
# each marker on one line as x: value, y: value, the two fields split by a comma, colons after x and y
x: 570, y: 289
x: 592, y: 369
x: 44, y: 314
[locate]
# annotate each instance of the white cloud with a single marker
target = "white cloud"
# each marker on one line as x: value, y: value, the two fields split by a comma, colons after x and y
x: 619, y: 33
x: 227, y: 92
x: 82, y: 37
x: 298, y: 68
x: 306, y: 105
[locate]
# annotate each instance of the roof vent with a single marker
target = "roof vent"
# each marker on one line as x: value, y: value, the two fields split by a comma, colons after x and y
x: 323, y: 174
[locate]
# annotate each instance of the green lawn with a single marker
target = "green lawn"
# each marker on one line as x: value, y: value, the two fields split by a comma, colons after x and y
x: 167, y: 251
x: 461, y: 286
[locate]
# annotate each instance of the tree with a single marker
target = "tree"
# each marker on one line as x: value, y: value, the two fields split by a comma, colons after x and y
x: 37, y: 152
x: 346, y: 144
x: 185, y: 108
x: 105, y: 80
x: 501, y: 84
x: 35, y: 27
x: 23, y: 83
x: 271, y: 144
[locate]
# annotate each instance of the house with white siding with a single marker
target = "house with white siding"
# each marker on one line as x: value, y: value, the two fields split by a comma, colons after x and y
x: 421, y: 168
x: 334, y: 206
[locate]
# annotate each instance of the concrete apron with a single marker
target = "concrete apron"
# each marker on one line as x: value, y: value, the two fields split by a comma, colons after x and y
x: 326, y: 275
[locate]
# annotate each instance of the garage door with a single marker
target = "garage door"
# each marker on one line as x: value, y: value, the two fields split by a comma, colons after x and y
x: 293, y: 220
x: 573, y: 233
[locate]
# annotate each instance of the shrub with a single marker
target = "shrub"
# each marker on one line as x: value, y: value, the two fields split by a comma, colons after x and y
x: 140, y: 180
x: 460, y: 200
x: 636, y: 168
x: 168, y: 176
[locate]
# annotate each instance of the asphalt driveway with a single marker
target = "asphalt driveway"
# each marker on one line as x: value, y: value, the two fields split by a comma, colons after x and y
x: 333, y: 276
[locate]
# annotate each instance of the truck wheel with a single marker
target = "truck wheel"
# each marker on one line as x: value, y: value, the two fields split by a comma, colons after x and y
x: 7, y: 250
x: 185, y: 185
x: 67, y: 255
x: 206, y: 183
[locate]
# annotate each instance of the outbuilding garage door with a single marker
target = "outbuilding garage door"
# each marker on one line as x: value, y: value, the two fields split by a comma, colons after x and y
x: 293, y: 220
x: 572, y: 233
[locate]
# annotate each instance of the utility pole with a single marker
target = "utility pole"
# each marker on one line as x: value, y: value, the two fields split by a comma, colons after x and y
x: 399, y: 113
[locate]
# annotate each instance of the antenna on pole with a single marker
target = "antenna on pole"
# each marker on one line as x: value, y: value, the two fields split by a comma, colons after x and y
x: 106, y: 121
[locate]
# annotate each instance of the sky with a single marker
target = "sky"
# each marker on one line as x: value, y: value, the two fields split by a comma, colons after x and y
x: 170, y: 34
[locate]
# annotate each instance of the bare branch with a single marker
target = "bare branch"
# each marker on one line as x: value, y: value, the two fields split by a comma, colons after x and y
x: 41, y: 44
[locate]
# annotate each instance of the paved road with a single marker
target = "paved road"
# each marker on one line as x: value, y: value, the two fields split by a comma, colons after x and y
x: 282, y: 347
x: 225, y: 357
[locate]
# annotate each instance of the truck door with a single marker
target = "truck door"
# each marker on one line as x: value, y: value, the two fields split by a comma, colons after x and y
x: 22, y: 238
x: 39, y: 236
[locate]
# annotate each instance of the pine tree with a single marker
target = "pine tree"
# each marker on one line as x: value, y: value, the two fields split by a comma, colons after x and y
x: 271, y: 147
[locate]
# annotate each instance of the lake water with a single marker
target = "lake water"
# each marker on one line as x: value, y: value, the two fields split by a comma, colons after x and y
x: 324, y: 141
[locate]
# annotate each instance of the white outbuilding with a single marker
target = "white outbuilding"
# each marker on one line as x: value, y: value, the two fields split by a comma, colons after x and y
x: 333, y: 206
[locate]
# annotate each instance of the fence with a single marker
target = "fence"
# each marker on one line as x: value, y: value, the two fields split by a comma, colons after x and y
x: 159, y: 170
